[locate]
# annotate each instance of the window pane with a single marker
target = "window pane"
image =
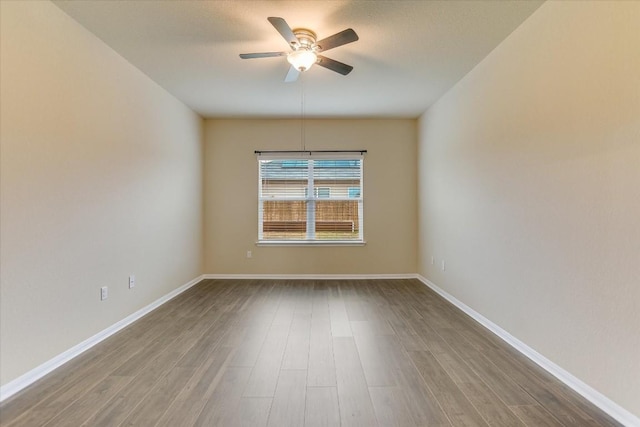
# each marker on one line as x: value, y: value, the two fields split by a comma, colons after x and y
x: 281, y: 179
x: 338, y: 176
x: 337, y: 220
x: 283, y: 220
x: 283, y: 189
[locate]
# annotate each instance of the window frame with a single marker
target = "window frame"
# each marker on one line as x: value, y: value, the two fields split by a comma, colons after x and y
x: 359, y: 241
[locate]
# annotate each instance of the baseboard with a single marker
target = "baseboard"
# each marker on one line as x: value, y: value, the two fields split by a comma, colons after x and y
x: 35, y: 374
x: 310, y: 276
x: 592, y: 395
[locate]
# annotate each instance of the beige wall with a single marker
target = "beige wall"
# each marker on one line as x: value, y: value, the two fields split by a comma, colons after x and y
x: 529, y: 188
x: 101, y: 177
x: 231, y: 192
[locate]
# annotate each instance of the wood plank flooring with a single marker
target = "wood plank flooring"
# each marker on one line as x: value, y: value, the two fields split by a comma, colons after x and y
x: 302, y: 353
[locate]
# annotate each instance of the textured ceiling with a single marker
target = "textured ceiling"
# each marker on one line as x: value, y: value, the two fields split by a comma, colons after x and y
x: 408, y: 55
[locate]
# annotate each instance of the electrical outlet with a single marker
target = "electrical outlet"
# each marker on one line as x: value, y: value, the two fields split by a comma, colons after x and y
x: 249, y: 254
x: 132, y: 282
x: 104, y: 293
x: 443, y: 266
x: 433, y: 260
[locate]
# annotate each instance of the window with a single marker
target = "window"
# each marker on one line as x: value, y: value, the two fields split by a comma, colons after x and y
x: 319, y: 192
x: 288, y: 214
x: 322, y: 192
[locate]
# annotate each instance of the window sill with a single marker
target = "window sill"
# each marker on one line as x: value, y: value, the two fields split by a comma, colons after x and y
x: 310, y: 243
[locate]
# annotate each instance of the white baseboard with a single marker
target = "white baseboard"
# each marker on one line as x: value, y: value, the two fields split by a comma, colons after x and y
x: 592, y: 395
x: 311, y: 276
x: 35, y: 374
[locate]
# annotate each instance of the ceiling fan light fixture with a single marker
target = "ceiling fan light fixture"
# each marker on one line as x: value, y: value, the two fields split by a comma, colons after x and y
x: 302, y: 59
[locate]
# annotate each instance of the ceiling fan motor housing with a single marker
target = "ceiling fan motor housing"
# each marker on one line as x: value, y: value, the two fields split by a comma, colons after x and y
x: 306, y: 38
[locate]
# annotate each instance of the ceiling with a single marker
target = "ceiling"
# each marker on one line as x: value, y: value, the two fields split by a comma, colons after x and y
x: 409, y: 53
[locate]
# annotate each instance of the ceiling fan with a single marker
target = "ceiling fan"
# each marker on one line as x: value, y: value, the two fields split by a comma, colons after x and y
x: 305, y: 49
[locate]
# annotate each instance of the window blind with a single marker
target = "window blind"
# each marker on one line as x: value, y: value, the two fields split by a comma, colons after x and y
x: 310, y: 197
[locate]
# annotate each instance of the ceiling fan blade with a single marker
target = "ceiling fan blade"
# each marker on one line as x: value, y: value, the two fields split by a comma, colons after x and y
x: 338, y: 39
x: 262, y: 55
x: 284, y: 29
x: 292, y: 75
x: 334, y: 65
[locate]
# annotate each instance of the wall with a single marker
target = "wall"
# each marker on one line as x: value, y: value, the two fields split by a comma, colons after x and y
x: 101, y: 177
x: 529, y: 188
x: 231, y: 192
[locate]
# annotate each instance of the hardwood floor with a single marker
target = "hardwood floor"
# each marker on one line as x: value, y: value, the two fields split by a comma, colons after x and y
x: 302, y: 353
